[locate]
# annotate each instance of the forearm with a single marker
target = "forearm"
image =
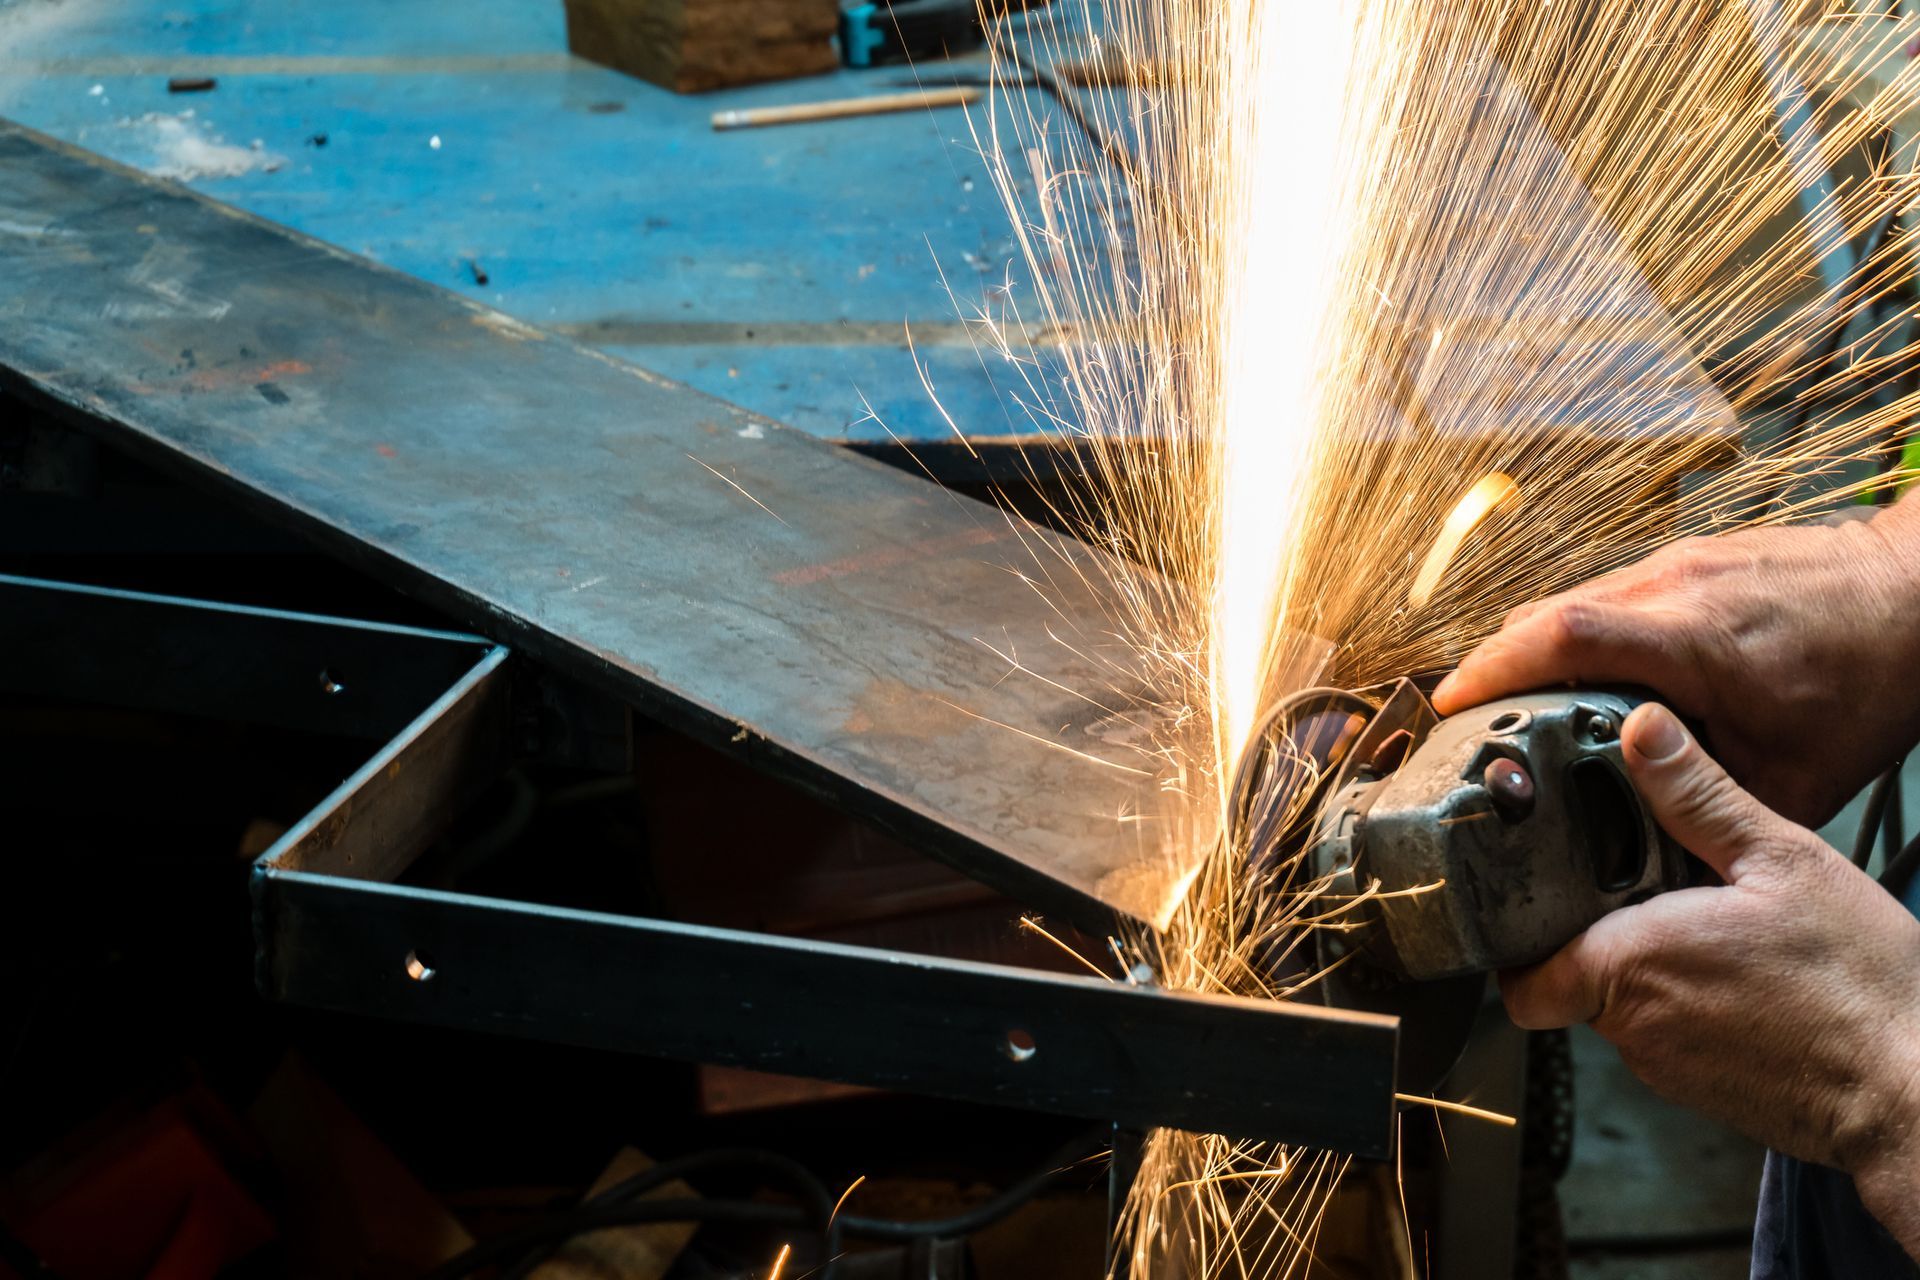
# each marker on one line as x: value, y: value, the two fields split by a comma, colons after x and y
x: 1881, y: 1147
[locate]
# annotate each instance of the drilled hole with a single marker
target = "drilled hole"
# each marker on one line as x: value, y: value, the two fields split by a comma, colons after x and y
x: 1020, y: 1045
x: 1507, y: 721
x: 420, y: 966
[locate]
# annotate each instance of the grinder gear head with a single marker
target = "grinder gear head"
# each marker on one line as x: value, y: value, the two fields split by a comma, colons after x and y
x: 1519, y: 814
x: 1443, y: 849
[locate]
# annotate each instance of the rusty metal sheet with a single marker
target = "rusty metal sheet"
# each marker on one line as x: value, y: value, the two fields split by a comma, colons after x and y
x: 833, y: 620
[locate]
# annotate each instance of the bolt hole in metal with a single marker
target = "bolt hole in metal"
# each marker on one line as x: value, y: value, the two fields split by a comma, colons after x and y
x: 1508, y: 722
x: 330, y: 682
x: 1020, y: 1046
x: 420, y: 966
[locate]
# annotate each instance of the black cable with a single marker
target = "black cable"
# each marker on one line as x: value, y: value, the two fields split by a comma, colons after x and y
x: 1893, y: 823
x: 1899, y: 870
x: 1868, y: 833
x: 617, y: 1206
x: 628, y: 1190
x: 987, y: 1212
x: 573, y: 1222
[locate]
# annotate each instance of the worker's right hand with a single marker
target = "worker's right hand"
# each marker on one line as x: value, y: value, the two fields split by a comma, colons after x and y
x: 1796, y: 649
x: 1784, y: 1001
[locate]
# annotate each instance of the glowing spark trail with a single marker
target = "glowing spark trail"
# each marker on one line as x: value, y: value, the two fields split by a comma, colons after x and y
x: 1474, y: 506
x: 1459, y: 1108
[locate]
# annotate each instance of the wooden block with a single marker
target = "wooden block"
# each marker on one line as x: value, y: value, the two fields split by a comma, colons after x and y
x: 352, y: 1207
x: 729, y: 1090
x: 694, y: 45
x: 643, y: 1251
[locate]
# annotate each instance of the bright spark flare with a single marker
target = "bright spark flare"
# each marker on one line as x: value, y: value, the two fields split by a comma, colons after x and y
x: 1291, y: 222
x: 1475, y: 505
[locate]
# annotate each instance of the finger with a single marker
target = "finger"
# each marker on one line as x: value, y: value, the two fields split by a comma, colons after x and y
x: 1521, y: 612
x: 1569, y: 986
x: 1565, y: 640
x: 1602, y: 588
x: 1690, y: 795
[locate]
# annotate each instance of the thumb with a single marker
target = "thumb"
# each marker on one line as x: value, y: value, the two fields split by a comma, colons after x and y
x: 1688, y: 792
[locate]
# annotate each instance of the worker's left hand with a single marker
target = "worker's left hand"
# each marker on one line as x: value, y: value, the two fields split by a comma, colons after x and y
x: 1785, y: 1002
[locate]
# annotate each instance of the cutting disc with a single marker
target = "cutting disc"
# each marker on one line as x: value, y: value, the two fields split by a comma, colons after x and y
x: 1307, y: 766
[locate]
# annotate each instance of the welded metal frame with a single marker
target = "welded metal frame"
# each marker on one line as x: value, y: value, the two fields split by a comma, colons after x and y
x: 334, y: 929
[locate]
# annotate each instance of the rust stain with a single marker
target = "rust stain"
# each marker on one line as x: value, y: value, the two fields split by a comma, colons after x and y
x: 386, y: 451
x: 895, y: 708
x: 863, y: 562
x: 251, y: 375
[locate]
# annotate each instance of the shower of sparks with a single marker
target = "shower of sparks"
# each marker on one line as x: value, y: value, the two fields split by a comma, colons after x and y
x: 1316, y: 270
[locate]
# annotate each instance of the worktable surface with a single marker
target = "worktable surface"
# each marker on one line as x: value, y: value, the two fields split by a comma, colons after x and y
x: 848, y: 625
x: 777, y: 267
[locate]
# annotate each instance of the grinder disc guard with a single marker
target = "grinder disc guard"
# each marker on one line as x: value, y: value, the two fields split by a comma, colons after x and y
x: 1311, y: 759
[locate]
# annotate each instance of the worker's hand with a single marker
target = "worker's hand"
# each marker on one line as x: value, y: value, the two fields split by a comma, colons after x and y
x: 1796, y: 649
x: 1785, y: 1002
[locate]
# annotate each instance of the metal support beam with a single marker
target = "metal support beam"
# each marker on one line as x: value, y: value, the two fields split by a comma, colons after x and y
x: 222, y: 661
x: 333, y: 930
x: 947, y: 1028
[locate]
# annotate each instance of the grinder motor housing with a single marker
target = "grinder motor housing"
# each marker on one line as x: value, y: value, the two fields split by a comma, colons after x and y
x: 1497, y: 837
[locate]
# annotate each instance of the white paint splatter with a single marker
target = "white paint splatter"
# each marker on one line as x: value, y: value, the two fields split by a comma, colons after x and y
x: 184, y: 148
x: 752, y: 431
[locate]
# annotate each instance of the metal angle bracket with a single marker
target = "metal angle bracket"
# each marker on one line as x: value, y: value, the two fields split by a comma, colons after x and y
x: 335, y: 933
x: 334, y: 930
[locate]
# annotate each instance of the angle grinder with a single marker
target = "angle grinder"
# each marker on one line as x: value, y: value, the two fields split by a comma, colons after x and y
x: 1437, y: 850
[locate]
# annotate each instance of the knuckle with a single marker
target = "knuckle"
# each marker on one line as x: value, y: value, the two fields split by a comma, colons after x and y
x: 1693, y: 555
x: 1701, y: 794
x: 1521, y: 612
x: 1571, y: 625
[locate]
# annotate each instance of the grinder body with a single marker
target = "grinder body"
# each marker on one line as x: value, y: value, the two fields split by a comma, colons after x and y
x: 1441, y: 850
x: 1495, y: 838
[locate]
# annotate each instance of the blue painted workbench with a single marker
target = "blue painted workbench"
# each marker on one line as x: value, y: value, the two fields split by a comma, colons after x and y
x: 460, y: 142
